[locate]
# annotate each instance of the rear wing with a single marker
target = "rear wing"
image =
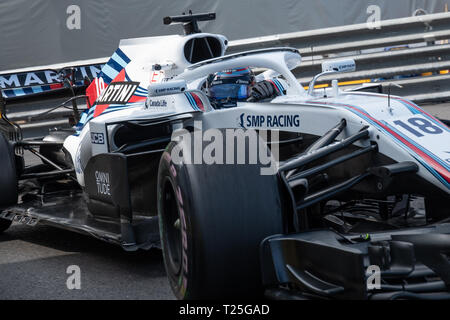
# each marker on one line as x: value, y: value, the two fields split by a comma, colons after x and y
x: 33, y: 83
x: 30, y: 97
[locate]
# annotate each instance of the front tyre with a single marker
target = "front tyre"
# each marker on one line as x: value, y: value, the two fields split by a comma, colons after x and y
x: 212, y: 221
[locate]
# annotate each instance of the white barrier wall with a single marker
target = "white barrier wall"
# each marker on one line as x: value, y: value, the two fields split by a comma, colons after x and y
x: 41, y: 32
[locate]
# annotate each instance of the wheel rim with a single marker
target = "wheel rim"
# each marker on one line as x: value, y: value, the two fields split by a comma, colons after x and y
x: 172, y: 226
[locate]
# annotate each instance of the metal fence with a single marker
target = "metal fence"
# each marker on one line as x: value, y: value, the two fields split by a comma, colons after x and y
x: 411, y: 52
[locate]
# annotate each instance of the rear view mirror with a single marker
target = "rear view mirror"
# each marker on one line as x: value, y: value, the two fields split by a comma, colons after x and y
x: 328, y: 67
x: 344, y: 65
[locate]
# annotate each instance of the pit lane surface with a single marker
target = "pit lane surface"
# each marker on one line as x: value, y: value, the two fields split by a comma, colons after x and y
x: 34, y: 260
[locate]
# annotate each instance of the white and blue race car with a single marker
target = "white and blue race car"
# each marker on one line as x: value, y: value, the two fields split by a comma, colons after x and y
x: 311, y: 194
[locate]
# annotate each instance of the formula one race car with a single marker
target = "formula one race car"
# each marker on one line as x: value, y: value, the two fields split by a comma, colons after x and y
x: 317, y: 194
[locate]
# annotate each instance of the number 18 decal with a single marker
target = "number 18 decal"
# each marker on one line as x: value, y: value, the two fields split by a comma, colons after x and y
x: 419, y: 126
x: 426, y: 134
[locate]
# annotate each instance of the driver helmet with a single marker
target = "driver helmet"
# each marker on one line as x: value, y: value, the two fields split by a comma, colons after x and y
x: 227, y: 87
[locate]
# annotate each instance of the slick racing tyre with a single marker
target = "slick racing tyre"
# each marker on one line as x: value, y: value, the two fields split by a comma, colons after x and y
x: 212, y: 221
x: 4, y: 224
x: 8, y: 179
